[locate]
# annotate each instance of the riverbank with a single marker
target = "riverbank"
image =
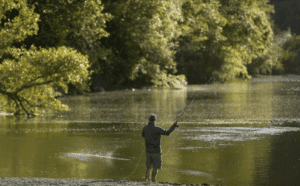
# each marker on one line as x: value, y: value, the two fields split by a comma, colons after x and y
x: 79, y: 182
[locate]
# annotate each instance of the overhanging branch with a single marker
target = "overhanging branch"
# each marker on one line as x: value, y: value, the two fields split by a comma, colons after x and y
x: 23, y: 107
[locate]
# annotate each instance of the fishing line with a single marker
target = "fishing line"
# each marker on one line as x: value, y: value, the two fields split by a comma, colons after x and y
x: 117, y: 58
x: 179, y: 115
x: 136, y: 164
x: 183, y: 111
x: 177, y: 118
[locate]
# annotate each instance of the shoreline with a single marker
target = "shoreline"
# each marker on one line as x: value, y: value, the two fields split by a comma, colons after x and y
x: 31, y: 181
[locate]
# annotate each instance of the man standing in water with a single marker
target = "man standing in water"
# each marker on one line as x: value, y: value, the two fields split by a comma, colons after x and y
x: 152, y: 135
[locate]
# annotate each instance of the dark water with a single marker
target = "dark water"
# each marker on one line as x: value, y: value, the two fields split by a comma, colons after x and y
x: 240, y: 133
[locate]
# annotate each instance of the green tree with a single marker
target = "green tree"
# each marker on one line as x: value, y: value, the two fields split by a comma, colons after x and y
x: 291, y: 51
x: 13, y: 26
x: 141, y: 40
x: 199, y: 49
x: 78, y: 24
x: 74, y: 23
x: 30, y: 77
x: 224, y: 35
x: 271, y: 61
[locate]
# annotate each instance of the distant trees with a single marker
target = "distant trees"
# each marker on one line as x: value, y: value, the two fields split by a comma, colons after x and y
x: 222, y: 37
x: 281, y: 57
x: 290, y: 56
x: 50, y: 45
x: 198, y: 54
x: 271, y: 61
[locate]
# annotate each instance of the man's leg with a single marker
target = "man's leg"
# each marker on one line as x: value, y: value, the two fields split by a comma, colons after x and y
x: 154, y: 172
x: 148, y: 174
x: 149, y: 163
x: 156, y: 165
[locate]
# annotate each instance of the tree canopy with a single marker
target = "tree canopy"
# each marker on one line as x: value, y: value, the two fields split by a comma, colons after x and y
x: 73, y: 23
x: 30, y: 80
x: 223, y: 36
x: 142, y: 41
x: 31, y: 76
x: 47, y: 46
x: 290, y: 52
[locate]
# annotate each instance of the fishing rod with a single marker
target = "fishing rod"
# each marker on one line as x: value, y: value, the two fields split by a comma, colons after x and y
x: 183, y: 111
x: 177, y: 117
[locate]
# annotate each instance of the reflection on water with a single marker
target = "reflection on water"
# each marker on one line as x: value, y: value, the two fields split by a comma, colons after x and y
x: 233, y: 133
x: 86, y: 157
x: 126, y: 106
x: 241, y: 133
x: 191, y: 172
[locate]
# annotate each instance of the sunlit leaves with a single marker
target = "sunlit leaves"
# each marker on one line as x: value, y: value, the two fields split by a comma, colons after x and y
x: 31, y: 79
x: 142, y: 35
x: 34, y: 75
x: 249, y: 33
x: 16, y: 28
x: 224, y: 36
x: 69, y: 22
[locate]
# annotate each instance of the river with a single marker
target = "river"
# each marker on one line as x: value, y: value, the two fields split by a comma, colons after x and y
x: 237, y: 133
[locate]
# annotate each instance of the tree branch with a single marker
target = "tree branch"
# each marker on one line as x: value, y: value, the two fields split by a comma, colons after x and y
x: 23, y: 107
x: 38, y: 77
x: 33, y: 85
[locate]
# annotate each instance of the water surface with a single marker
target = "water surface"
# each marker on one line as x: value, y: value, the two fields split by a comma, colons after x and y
x: 239, y: 133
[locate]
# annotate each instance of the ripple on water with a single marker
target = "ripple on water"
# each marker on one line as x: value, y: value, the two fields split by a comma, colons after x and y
x: 191, y: 172
x: 233, y: 133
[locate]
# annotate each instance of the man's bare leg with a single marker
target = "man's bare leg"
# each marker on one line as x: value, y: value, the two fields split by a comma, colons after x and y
x: 154, y: 172
x: 148, y: 174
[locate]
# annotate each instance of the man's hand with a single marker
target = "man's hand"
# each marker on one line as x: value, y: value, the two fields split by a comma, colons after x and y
x: 176, y: 125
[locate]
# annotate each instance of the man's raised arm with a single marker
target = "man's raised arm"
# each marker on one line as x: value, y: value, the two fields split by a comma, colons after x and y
x: 168, y: 132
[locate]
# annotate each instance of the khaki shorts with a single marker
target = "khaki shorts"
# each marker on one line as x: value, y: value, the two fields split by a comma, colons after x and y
x: 153, y: 159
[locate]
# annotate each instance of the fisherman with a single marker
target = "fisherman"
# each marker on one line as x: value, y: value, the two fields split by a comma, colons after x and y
x: 152, y: 135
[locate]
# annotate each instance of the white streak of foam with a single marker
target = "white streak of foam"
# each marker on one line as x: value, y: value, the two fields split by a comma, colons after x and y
x: 81, y: 156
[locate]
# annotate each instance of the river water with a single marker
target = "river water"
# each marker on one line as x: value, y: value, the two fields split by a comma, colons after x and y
x: 238, y: 133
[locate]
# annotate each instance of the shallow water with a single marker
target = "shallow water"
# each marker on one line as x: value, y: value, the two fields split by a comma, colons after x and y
x: 239, y: 133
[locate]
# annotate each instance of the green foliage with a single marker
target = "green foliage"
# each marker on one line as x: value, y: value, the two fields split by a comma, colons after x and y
x: 30, y: 77
x: 79, y: 24
x: 222, y: 36
x: 271, y: 61
x: 291, y: 50
x: 281, y: 56
x: 62, y: 22
x: 141, y: 39
x: 74, y: 23
x: 30, y: 80
x: 129, y: 41
x: 248, y: 32
x: 202, y: 31
x: 13, y: 27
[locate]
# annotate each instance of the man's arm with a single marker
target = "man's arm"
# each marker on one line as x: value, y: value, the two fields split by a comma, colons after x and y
x: 168, y: 132
x: 143, y: 133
